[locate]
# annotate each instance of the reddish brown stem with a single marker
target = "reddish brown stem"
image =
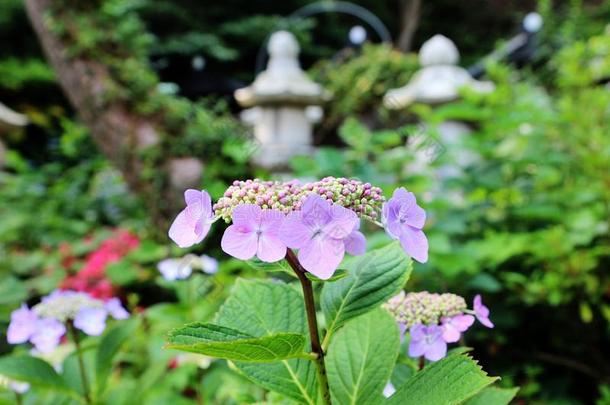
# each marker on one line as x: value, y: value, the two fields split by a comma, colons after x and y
x: 312, y: 323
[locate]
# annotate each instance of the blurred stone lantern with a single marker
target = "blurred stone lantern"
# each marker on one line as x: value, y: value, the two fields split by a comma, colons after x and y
x: 283, y: 104
x: 9, y: 120
x: 439, y: 79
x: 438, y: 82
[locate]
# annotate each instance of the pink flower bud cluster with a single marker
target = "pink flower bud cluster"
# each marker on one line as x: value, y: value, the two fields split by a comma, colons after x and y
x: 424, y: 308
x: 362, y: 198
x: 266, y: 194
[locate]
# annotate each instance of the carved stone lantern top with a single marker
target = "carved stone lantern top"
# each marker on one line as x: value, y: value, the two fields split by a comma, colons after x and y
x: 283, y: 82
x: 10, y: 119
x: 439, y: 79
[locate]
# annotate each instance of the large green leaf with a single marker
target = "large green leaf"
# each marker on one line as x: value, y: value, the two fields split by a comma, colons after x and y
x: 279, y: 266
x: 260, y: 308
x: 372, y: 279
x: 34, y: 371
x: 108, y: 348
x: 226, y: 343
x: 493, y: 396
x: 361, y: 358
x: 449, y: 381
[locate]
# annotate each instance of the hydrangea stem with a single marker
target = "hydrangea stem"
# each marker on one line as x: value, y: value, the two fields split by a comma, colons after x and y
x: 81, y: 363
x: 312, y: 323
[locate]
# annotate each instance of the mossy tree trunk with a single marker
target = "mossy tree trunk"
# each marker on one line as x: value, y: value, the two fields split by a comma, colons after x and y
x: 133, y: 142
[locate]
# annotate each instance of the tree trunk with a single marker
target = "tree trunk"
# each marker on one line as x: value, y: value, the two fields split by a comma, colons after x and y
x: 410, y: 12
x: 120, y: 133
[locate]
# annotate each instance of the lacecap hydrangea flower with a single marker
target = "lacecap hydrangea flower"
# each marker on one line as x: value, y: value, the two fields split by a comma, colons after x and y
x: 433, y: 320
x: 181, y: 268
x: 320, y: 219
x: 45, y: 324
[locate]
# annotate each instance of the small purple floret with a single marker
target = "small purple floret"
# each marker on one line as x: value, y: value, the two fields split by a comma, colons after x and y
x: 403, y: 220
x: 481, y: 311
x: 427, y: 341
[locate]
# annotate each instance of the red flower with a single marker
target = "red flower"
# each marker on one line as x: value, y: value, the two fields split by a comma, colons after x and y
x: 91, y: 278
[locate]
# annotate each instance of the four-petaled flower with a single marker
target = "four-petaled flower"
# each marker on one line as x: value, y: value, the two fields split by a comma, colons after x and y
x: 403, y: 220
x: 321, y: 222
x: 47, y: 335
x: 193, y: 223
x: 175, y: 269
x: 481, y: 311
x: 45, y: 324
x: 427, y: 341
x: 22, y: 326
x: 92, y: 321
x: 454, y: 326
x: 322, y: 232
x: 254, y: 232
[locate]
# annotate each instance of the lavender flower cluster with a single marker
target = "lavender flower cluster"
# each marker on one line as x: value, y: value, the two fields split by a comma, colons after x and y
x: 362, y: 198
x: 45, y: 324
x: 321, y: 220
x: 434, y: 320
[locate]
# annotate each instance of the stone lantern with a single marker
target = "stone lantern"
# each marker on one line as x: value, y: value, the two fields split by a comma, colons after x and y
x: 439, y: 79
x: 438, y: 82
x: 283, y: 104
x: 9, y: 120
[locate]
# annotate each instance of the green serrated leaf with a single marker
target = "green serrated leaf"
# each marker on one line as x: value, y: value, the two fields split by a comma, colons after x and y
x: 281, y: 265
x: 361, y: 357
x: 337, y: 275
x: 107, y: 350
x: 493, y: 396
x: 227, y: 343
x: 372, y: 279
x: 33, y: 371
x: 449, y: 381
x: 259, y: 308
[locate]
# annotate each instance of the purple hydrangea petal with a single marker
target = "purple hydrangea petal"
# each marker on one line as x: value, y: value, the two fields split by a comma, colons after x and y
x: 482, y: 312
x: 19, y: 387
x: 320, y: 231
x: 294, y: 232
x: 355, y: 243
x: 48, y: 334
x: 462, y: 322
x: 405, y: 197
x: 22, y: 326
x: 454, y: 326
x: 192, y: 224
x: 209, y: 265
x: 388, y: 390
x: 255, y: 232
x: 403, y: 219
x: 417, y: 331
x: 270, y: 248
x: 239, y: 242
x: 341, y: 224
x: 315, y: 211
x: 174, y: 269
x: 92, y: 321
x: 450, y: 333
x: 417, y: 348
x: 436, y: 350
x: 116, y: 309
x: 415, y: 244
x: 247, y: 216
x: 321, y: 256
x: 427, y: 341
